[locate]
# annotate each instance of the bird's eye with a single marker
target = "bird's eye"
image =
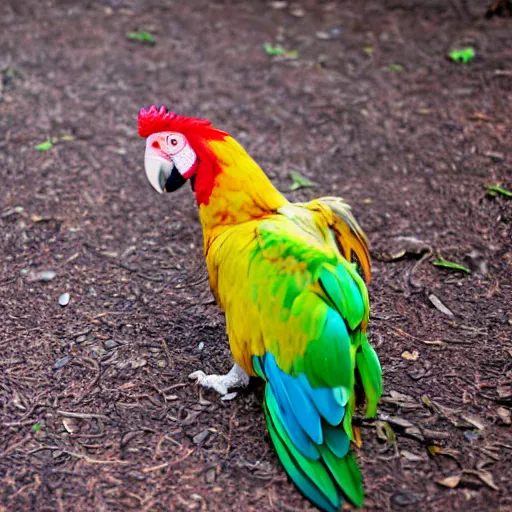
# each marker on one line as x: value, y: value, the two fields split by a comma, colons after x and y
x: 175, y: 143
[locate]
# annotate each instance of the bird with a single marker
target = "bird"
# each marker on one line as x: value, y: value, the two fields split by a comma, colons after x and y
x: 291, y: 279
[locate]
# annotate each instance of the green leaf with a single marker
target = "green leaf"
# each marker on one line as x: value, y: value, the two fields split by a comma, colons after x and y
x: 300, y: 181
x: 274, y: 50
x: 44, y: 146
x: 291, y: 54
x: 36, y: 427
x: 494, y: 190
x: 463, y: 55
x: 441, y: 262
x: 385, y: 432
x: 144, y: 37
x: 396, y: 67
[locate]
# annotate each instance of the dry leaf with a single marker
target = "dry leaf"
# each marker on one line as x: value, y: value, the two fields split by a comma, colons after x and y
x: 405, y: 401
x: 504, y: 392
x: 385, y: 432
x: 439, y: 305
x: 478, y: 116
x: 391, y: 256
x: 474, y: 420
x: 504, y: 415
x: 438, y: 450
x: 410, y: 456
x: 439, y: 343
x: 71, y: 425
x: 18, y: 401
x: 396, y: 420
x: 450, y: 481
x: 415, y: 433
x: 400, y: 397
x: 446, y: 412
x: 485, y: 476
x: 278, y: 5
x: 426, y: 400
x: 411, y: 356
x: 488, y: 451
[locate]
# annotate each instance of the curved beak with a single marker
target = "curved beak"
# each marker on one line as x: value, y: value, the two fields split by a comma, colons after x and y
x: 162, y: 174
x: 158, y: 171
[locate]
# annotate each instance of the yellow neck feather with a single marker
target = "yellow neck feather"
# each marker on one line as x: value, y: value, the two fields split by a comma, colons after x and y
x: 241, y: 191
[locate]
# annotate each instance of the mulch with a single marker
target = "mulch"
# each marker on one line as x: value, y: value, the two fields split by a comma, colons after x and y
x: 97, y: 412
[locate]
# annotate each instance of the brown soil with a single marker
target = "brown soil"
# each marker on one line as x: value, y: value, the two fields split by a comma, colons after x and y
x: 97, y: 412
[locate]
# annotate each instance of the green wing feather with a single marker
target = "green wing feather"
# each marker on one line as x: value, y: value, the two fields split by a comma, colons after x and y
x: 308, y: 308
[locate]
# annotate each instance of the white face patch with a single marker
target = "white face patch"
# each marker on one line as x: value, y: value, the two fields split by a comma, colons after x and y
x: 182, y: 155
x: 184, y: 160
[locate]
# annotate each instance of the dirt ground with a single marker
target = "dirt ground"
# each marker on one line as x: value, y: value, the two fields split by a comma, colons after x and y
x: 97, y: 412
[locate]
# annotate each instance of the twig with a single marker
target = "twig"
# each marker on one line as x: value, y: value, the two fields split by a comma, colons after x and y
x: 18, y: 423
x: 150, y: 469
x: 81, y: 456
x: 82, y: 415
x: 15, y: 446
x: 93, y: 382
x: 154, y: 468
x: 36, y: 483
x: 113, y: 261
x: 149, y: 278
x: 175, y: 386
x: 415, y: 267
x: 167, y: 354
x: 16, y: 338
x: 198, y: 281
x: 427, y: 342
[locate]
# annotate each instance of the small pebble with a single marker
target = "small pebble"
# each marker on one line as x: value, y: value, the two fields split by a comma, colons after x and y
x: 324, y: 36
x: 471, y: 436
x: 64, y: 299
x: 62, y: 362
x: 199, y: 438
x: 210, y: 476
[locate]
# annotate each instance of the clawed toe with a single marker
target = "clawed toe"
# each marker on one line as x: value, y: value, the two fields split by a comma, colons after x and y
x: 210, y: 381
x: 222, y: 383
x: 197, y: 376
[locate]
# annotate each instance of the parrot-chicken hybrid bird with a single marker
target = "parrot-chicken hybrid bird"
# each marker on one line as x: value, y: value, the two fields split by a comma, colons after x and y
x: 290, y: 279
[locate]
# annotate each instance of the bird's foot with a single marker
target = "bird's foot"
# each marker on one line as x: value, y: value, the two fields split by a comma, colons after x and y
x: 235, y: 378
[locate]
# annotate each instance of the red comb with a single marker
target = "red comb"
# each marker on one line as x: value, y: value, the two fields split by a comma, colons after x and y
x: 155, y: 120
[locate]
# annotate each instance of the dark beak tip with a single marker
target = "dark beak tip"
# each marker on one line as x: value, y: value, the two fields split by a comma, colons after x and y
x: 174, y: 181
x: 162, y: 179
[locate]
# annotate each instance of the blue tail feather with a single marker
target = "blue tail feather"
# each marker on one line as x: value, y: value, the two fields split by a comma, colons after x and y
x: 306, y: 426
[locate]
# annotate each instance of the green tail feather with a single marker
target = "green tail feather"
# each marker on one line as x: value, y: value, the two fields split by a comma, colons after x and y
x: 329, y: 481
x: 308, y: 478
x: 347, y: 475
x: 368, y: 365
